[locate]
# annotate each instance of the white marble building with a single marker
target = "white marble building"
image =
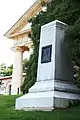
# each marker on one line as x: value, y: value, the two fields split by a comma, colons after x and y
x: 5, y: 85
x: 19, y: 34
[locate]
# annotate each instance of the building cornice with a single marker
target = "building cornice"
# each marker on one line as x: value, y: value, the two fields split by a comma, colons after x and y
x: 5, y: 78
x: 20, y: 34
x: 32, y: 11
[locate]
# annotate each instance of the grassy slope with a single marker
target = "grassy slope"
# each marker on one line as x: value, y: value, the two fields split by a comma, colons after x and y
x: 7, y: 112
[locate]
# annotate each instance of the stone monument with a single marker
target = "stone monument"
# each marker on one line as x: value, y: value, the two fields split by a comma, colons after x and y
x: 54, y: 87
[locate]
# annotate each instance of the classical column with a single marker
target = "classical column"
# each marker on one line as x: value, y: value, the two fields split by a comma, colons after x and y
x: 17, y: 70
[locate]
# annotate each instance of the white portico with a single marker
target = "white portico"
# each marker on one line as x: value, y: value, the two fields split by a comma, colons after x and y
x: 21, y: 44
x: 19, y: 49
x: 19, y: 32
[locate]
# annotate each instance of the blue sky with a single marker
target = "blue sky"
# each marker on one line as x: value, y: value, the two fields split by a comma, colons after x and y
x: 10, y: 12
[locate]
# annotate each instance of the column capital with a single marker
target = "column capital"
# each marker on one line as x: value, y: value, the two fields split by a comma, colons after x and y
x: 20, y: 48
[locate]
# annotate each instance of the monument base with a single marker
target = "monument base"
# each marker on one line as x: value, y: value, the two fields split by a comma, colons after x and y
x: 53, y: 95
x: 36, y: 101
x: 54, y: 63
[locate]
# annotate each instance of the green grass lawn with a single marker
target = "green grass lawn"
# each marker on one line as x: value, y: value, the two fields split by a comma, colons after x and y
x: 7, y: 112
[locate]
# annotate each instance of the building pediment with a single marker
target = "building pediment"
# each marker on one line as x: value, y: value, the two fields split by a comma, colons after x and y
x: 26, y: 27
x: 22, y: 24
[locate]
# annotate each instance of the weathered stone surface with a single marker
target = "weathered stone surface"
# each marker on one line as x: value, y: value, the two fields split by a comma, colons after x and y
x: 54, y: 86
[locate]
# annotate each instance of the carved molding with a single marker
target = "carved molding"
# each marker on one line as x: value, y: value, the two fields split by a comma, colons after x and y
x: 32, y: 11
x: 20, y: 34
x: 22, y: 48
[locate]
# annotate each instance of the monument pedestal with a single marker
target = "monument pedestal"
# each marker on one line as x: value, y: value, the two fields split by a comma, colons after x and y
x: 54, y: 86
x: 48, y: 95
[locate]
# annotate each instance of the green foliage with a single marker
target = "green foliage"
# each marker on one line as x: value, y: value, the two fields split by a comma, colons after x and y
x: 74, y: 103
x: 5, y: 71
x: 25, y: 65
x: 73, y: 37
x: 8, y: 112
x: 31, y: 67
x: 67, y: 11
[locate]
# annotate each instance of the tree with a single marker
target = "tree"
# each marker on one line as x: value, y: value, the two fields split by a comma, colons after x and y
x: 5, y: 71
x: 67, y: 11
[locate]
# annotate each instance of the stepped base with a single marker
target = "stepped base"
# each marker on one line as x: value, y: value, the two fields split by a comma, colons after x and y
x: 36, y: 101
x: 47, y: 99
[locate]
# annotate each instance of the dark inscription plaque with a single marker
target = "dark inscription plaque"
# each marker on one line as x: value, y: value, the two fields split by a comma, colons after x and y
x: 46, y: 54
